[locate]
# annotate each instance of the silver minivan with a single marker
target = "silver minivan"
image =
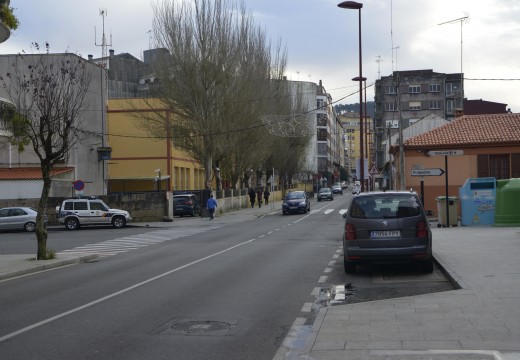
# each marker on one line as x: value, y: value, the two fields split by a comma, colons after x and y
x: 386, y: 227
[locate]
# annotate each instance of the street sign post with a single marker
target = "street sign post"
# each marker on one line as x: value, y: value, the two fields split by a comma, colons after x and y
x: 446, y: 153
x: 427, y: 172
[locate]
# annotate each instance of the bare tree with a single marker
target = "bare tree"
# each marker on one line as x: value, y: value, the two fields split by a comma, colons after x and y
x: 49, y: 93
x: 218, y: 64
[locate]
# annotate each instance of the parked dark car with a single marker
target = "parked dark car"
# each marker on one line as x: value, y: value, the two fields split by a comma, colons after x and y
x: 18, y: 218
x: 325, y: 194
x: 386, y: 227
x: 296, y: 202
x: 186, y: 204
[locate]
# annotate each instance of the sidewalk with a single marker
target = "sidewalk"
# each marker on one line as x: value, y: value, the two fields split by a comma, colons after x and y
x: 481, y: 320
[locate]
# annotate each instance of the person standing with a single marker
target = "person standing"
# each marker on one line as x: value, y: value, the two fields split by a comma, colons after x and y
x: 212, y: 206
x: 259, y: 197
x: 266, y: 195
x: 252, y: 197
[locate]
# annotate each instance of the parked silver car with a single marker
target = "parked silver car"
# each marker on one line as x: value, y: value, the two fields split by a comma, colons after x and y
x: 18, y: 218
x: 386, y: 227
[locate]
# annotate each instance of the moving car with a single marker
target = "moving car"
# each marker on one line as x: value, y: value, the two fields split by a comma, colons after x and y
x: 325, y: 194
x: 186, y: 204
x: 74, y: 213
x: 386, y: 227
x: 337, y: 189
x: 18, y: 218
x: 296, y: 201
x: 356, y: 189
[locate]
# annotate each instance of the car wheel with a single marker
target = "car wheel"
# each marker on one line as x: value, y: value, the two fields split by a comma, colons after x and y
x: 319, y: 199
x: 29, y: 227
x: 350, y: 267
x: 118, y: 222
x: 284, y: 212
x: 192, y: 213
x: 71, y: 224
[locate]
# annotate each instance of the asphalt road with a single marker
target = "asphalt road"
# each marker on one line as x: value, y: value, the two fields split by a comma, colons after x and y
x: 209, y: 290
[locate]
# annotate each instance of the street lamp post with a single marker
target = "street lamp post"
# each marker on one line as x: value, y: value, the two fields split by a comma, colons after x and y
x: 357, y: 6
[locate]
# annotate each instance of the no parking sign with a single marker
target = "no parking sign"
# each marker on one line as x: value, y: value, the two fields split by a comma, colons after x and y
x: 78, y: 185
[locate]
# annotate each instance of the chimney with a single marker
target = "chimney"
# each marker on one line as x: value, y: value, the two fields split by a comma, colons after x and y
x: 90, y: 57
x: 111, y: 52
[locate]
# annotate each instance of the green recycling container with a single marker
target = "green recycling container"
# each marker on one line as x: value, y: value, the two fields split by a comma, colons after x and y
x: 507, y: 207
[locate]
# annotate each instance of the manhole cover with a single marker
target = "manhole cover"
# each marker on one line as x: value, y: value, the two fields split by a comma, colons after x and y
x: 196, y: 327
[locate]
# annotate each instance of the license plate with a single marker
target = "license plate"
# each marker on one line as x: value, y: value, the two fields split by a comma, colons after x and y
x: 385, y: 234
x: 293, y: 207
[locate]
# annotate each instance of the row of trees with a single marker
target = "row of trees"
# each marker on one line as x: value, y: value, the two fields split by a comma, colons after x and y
x: 224, y: 82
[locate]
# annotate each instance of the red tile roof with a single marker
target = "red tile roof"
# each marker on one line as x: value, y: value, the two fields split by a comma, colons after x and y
x: 29, y: 173
x: 471, y: 131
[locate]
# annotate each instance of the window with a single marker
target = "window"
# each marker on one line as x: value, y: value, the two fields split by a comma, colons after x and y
x: 435, y: 104
x: 449, y: 89
x: 414, y: 89
x: 96, y: 205
x: 321, y: 119
x: 390, y: 106
x: 322, y: 149
x: 320, y: 104
x: 449, y: 106
x: 322, y: 135
x: 80, y: 205
x: 390, y: 90
x: 414, y: 105
x: 501, y: 166
x: 434, y: 88
x: 393, y: 124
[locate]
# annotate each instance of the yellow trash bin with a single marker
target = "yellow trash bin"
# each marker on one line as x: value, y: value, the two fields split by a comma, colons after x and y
x: 453, y: 208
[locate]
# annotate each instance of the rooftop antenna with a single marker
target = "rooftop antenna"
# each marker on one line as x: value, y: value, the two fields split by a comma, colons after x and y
x: 394, y: 48
x: 104, y: 44
x: 149, y: 39
x: 462, y: 21
x: 378, y: 61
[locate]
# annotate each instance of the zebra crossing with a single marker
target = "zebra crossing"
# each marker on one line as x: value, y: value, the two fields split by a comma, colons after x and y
x: 123, y: 244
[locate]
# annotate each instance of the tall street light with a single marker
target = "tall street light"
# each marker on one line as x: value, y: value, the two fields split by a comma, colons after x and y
x: 357, y: 6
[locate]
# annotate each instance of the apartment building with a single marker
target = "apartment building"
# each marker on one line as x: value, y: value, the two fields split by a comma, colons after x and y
x: 405, y: 97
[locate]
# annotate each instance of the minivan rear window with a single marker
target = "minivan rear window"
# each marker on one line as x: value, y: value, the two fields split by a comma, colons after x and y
x: 385, y: 206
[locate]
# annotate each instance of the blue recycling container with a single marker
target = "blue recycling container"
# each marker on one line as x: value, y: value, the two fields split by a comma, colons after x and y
x: 477, y: 201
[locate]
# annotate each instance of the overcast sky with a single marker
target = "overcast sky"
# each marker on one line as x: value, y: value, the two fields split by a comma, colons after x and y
x: 321, y: 39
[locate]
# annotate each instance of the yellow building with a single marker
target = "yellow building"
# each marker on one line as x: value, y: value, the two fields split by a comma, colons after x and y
x: 352, y: 138
x: 140, y: 161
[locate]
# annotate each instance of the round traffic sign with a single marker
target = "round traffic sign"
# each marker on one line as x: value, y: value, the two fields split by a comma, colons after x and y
x: 78, y: 185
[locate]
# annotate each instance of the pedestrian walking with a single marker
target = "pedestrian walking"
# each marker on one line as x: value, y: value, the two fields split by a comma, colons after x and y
x: 212, y: 206
x: 252, y: 197
x: 259, y: 197
x: 266, y: 195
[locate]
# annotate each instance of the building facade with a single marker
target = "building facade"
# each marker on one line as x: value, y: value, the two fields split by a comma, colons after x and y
x: 351, y: 138
x: 85, y: 161
x: 405, y: 97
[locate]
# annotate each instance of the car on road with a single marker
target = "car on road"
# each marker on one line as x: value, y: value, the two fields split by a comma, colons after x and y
x: 296, y: 202
x: 186, y: 204
x: 74, y: 213
x: 356, y: 189
x: 337, y: 189
x: 325, y: 194
x: 18, y: 218
x: 386, y: 227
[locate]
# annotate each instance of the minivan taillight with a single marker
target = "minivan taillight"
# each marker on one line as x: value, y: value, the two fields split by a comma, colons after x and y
x: 188, y: 203
x: 421, y: 230
x: 350, y: 232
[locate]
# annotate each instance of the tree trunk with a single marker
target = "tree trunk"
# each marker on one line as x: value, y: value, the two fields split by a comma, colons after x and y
x: 41, y: 228
x: 209, y: 164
